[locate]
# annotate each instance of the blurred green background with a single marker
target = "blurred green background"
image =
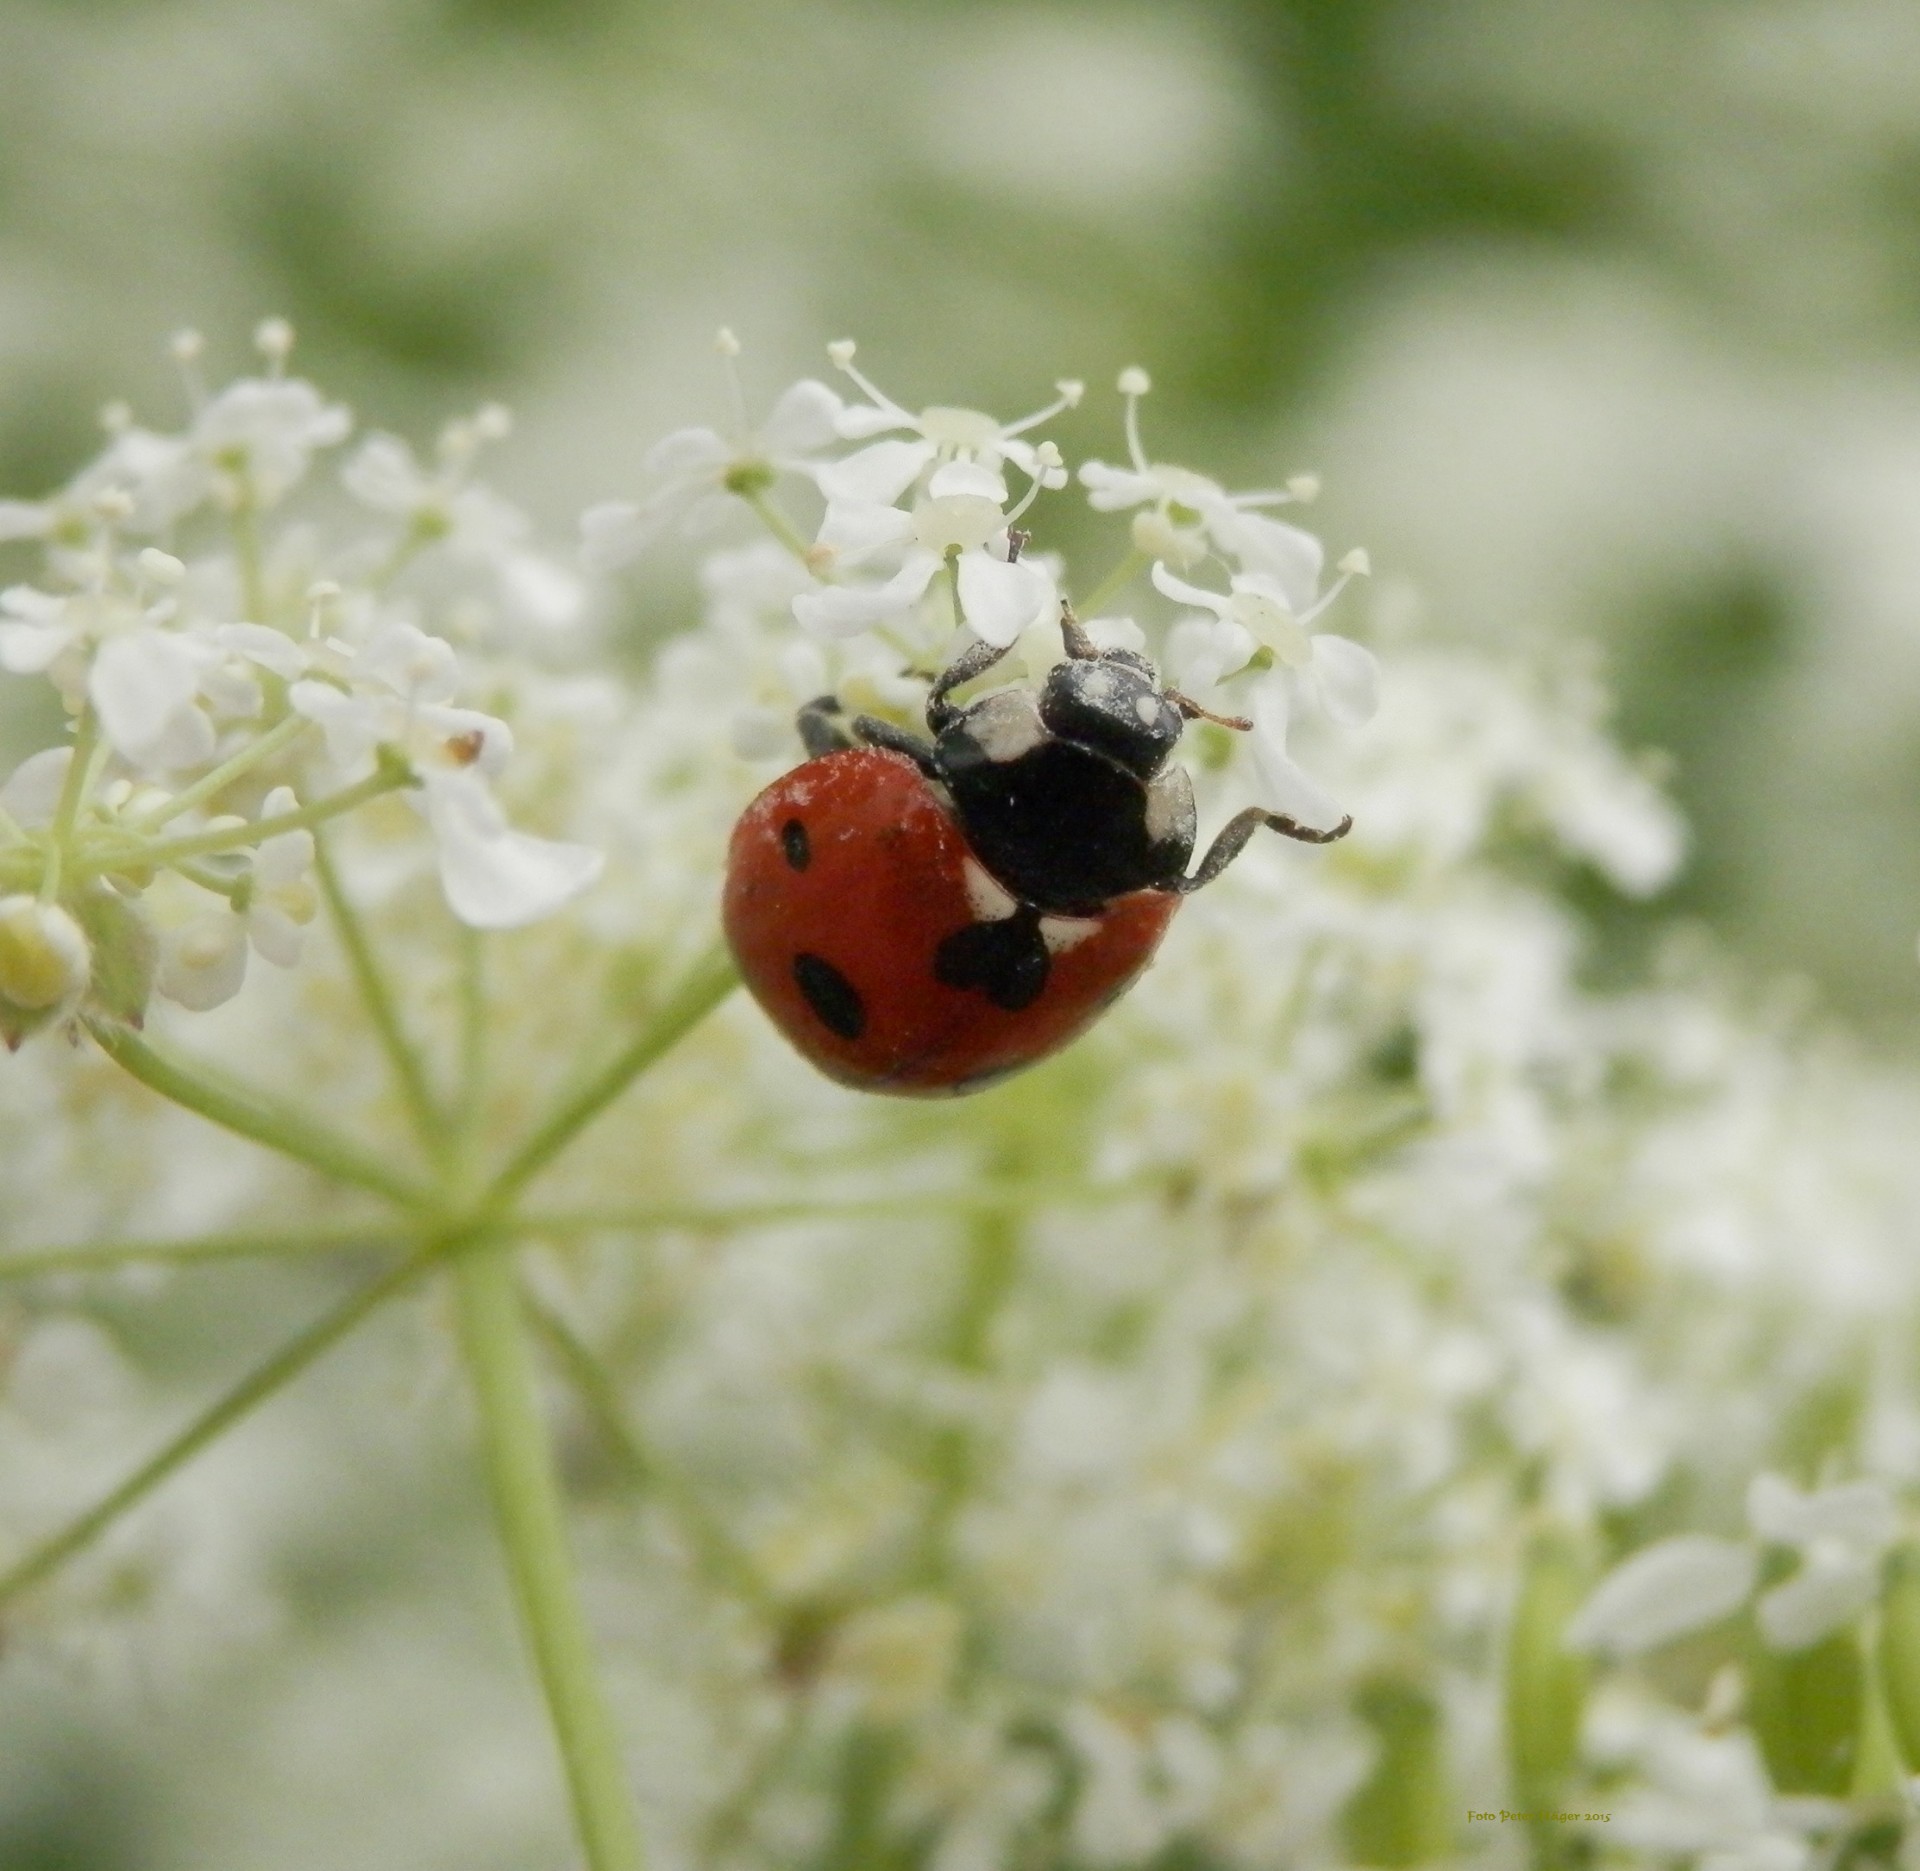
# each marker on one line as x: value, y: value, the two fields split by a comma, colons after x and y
x: 1601, y: 317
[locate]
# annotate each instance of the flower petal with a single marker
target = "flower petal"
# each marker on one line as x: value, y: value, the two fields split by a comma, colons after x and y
x: 967, y: 477
x: 26, y: 649
x: 1857, y: 1513
x: 140, y: 684
x: 1662, y: 1591
x: 1184, y: 593
x: 494, y: 876
x: 1110, y: 489
x: 261, y: 643
x: 689, y: 452
x: 1348, y: 679
x: 880, y: 474
x: 31, y: 795
x: 1286, y: 786
x: 204, y: 962
x: 803, y: 421
x: 999, y: 600
x: 1827, y: 1592
x: 847, y: 610
x: 1284, y: 553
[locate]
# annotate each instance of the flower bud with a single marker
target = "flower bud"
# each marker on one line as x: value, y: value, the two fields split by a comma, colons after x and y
x: 43, y: 953
x: 44, y: 965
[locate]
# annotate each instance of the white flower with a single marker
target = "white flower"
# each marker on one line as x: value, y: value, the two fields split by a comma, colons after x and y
x: 468, y: 521
x: 1339, y: 673
x: 145, y: 687
x: 885, y: 471
x: 1841, y: 1534
x: 397, y: 695
x: 699, y: 470
x: 251, y: 444
x: 1189, y: 514
x: 494, y: 876
x: 203, y: 962
x: 962, y: 521
x: 1693, y: 1579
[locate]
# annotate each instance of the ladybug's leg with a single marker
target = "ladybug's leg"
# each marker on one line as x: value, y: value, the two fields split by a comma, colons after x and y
x: 871, y: 731
x: 823, y: 727
x: 1233, y: 840
x: 975, y: 660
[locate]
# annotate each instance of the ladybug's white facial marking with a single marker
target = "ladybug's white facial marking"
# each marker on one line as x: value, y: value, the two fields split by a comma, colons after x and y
x: 1061, y: 933
x: 1005, y: 726
x: 1147, y: 707
x: 988, y: 900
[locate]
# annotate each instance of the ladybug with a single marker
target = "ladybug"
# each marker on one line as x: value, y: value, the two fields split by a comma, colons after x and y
x: 924, y: 917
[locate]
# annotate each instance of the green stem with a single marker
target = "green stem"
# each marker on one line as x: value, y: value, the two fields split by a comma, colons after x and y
x: 379, y: 1001
x: 73, y: 789
x: 718, y: 1556
x: 101, y: 1256
x: 389, y: 776
x: 209, y: 784
x: 526, y: 1496
x: 473, y: 1034
x: 775, y: 520
x: 249, y: 1114
x: 988, y: 1198
x: 711, y: 979
x: 1115, y: 581
x: 259, y: 1384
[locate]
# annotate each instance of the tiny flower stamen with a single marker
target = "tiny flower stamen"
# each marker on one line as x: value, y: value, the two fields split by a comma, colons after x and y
x: 273, y: 339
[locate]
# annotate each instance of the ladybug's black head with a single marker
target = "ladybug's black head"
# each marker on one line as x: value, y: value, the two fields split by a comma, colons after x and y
x: 1113, y: 702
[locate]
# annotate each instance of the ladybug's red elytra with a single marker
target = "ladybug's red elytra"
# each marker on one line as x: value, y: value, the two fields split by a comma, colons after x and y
x: 923, y: 918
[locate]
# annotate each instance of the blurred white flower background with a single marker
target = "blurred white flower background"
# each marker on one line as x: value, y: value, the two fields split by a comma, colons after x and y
x: 1446, y: 1345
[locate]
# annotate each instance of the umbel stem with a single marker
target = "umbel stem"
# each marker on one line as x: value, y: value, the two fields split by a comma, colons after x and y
x: 441, y: 1219
x: 526, y: 1498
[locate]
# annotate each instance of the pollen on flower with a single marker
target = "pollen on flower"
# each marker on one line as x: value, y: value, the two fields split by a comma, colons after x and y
x: 1134, y: 381
x: 840, y: 353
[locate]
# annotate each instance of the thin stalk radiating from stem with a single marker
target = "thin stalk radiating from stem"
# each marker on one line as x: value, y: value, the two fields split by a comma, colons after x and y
x: 711, y: 979
x: 260, y: 1383
x: 209, y: 785
x: 1114, y: 583
x: 387, y: 778
x: 250, y: 1114
x: 66, y: 814
x: 204, y: 1249
x: 380, y: 1004
x: 527, y: 1500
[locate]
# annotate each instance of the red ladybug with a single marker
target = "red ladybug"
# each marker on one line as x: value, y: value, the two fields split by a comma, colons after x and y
x: 924, y: 918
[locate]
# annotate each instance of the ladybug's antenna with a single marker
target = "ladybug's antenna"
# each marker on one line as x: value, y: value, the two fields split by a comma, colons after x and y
x: 1194, y: 712
x: 1080, y: 646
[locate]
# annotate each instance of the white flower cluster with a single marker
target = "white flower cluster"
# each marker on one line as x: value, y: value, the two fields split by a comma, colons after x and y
x: 1140, y: 1462
x: 920, y: 535
x: 235, y: 678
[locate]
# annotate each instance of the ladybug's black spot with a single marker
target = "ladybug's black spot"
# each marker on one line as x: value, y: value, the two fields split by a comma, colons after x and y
x: 1006, y: 960
x: 831, y: 995
x: 793, y: 841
